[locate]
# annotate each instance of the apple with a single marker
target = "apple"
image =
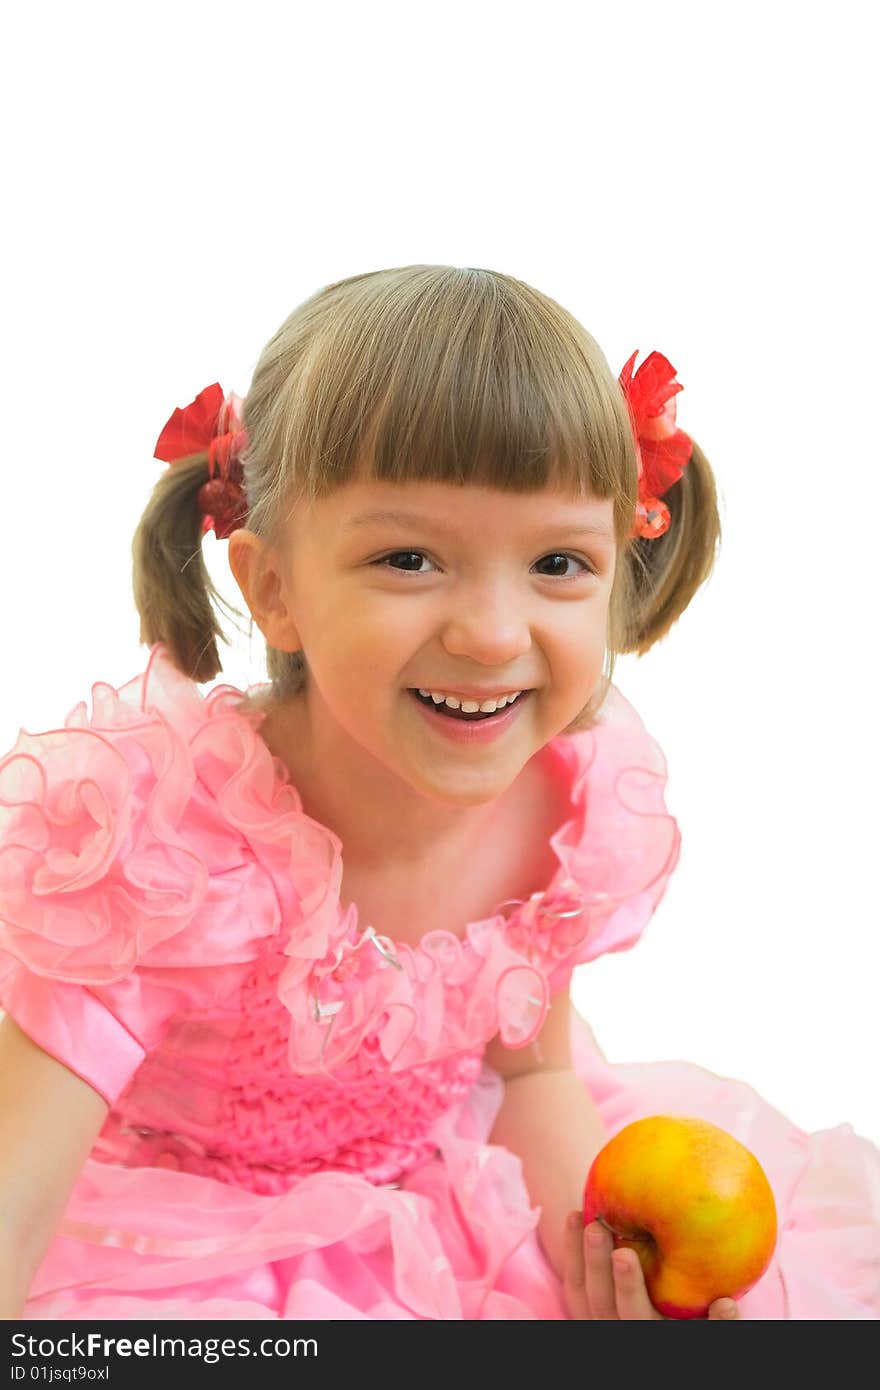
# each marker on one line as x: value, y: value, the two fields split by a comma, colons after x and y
x: 693, y: 1202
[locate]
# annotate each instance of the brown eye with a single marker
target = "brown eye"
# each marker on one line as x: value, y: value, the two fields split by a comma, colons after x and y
x: 410, y: 554
x: 564, y: 557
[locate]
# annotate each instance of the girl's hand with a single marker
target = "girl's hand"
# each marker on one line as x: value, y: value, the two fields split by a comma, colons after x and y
x: 598, y: 1287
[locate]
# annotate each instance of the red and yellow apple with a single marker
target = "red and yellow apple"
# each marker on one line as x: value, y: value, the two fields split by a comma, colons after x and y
x: 693, y: 1202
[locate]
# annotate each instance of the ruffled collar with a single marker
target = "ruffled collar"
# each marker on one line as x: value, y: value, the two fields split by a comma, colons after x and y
x: 104, y: 874
x: 344, y: 982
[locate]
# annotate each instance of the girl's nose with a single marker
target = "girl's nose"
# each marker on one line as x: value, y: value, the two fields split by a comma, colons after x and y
x: 489, y: 626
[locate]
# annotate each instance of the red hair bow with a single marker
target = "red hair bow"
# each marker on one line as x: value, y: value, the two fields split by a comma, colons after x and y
x: 663, y: 450
x: 211, y: 422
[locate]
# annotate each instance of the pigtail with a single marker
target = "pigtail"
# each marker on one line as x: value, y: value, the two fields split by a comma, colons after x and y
x: 660, y: 576
x: 173, y: 591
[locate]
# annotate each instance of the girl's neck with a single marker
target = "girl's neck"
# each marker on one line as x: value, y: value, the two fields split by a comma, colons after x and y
x: 382, y: 822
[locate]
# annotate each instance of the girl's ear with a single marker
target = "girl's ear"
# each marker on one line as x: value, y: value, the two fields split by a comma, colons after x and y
x: 257, y: 571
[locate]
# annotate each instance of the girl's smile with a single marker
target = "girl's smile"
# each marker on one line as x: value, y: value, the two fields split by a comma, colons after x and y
x: 469, y: 729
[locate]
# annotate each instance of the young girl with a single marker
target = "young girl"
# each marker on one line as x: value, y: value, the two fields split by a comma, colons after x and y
x: 286, y: 971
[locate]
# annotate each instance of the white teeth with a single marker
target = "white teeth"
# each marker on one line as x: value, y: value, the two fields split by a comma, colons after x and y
x: 470, y: 706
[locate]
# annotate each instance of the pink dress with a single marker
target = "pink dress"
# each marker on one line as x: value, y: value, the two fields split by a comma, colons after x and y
x: 300, y: 1111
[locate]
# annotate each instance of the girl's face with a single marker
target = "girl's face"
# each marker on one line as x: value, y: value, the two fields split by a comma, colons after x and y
x: 474, y: 588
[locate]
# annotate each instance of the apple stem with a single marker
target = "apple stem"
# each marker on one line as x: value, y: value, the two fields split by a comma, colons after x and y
x: 622, y: 1235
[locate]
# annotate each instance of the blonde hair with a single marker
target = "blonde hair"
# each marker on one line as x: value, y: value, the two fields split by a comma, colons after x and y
x: 426, y: 373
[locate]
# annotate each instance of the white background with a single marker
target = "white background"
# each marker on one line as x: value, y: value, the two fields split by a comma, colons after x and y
x: 682, y: 177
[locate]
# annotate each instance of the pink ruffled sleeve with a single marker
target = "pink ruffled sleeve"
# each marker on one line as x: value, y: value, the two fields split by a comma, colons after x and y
x: 121, y: 890
x: 616, y: 853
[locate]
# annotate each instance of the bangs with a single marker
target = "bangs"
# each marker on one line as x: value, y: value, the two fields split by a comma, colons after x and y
x: 450, y: 375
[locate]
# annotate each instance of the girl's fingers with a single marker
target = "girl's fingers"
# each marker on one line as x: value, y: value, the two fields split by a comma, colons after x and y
x: 633, y: 1303
x: 603, y: 1284
x: 573, y: 1283
x: 724, y: 1309
x: 601, y: 1292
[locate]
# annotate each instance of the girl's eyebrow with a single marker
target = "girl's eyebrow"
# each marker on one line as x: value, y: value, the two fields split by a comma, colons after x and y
x: 595, y: 528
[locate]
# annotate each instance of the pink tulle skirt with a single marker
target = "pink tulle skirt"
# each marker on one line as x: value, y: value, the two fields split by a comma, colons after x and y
x: 457, y: 1238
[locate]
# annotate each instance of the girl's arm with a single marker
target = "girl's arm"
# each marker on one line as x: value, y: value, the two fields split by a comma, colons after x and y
x: 49, y: 1120
x: 548, y: 1119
